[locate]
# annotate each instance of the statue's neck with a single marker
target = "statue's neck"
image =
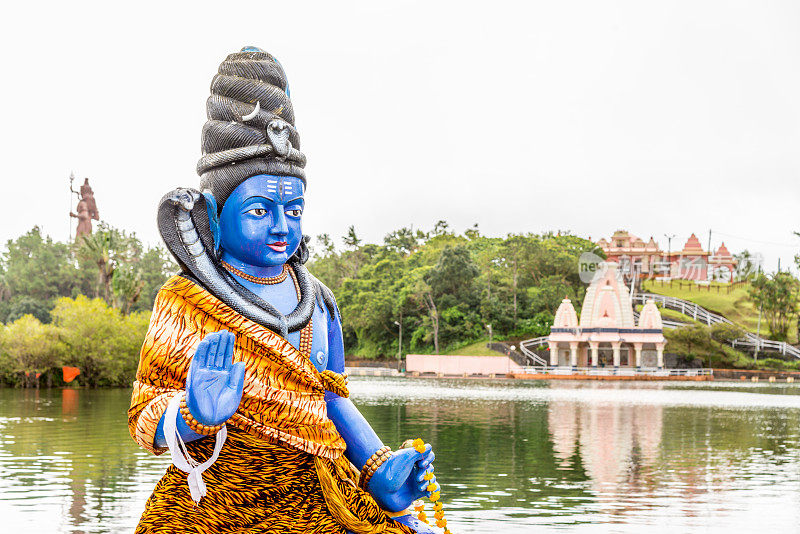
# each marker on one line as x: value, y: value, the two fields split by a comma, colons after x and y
x: 252, y: 270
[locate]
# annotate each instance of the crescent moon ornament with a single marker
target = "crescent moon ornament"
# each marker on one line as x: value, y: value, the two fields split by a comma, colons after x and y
x: 253, y: 113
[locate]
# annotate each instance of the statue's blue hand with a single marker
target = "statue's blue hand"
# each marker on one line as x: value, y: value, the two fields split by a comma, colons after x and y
x: 399, y: 480
x: 214, y: 383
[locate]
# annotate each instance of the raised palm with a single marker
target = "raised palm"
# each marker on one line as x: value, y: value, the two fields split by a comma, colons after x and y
x: 214, y: 383
x: 400, y: 480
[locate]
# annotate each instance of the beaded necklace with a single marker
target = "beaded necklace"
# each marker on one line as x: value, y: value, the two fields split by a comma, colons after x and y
x: 261, y: 280
x: 307, y: 332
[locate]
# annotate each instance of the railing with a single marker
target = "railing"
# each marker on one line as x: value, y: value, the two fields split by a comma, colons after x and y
x: 521, y: 358
x: 666, y: 323
x: 694, y: 286
x: 688, y: 308
x: 698, y: 313
x: 753, y: 342
x: 526, y: 348
x: 615, y: 371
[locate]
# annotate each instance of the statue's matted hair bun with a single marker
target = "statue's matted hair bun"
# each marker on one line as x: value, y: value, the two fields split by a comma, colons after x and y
x: 250, y: 128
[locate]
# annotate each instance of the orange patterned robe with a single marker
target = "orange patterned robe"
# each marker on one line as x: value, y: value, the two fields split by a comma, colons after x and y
x: 282, y: 468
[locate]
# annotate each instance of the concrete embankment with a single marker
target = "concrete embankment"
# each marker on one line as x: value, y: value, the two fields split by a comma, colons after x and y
x: 612, y: 378
x: 757, y: 376
x: 453, y: 366
x: 372, y: 371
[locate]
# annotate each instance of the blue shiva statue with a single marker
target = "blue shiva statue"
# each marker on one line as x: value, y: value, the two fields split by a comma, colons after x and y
x: 240, y: 245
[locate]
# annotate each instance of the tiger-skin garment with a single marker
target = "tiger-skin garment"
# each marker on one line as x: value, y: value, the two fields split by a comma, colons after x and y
x: 282, y: 468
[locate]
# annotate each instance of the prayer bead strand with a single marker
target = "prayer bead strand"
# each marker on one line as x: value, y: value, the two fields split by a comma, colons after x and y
x: 307, y: 333
x: 192, y: 423
x: 372, y: 465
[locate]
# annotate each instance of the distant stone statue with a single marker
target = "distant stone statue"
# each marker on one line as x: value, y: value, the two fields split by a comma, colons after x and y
x: 88, y: 195
x: 86, y: 210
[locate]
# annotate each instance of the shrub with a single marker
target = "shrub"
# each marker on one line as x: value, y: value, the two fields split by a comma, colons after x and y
x: 725, y: 333
x: 28, y: 348
x: 99, y: 340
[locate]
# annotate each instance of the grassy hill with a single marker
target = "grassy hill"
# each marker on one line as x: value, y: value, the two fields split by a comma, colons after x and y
x: 735, y: 306
x: 473, y: 349
x: 672, y: 315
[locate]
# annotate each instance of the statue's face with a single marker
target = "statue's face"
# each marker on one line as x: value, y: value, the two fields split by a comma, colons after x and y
x: 260, y: 223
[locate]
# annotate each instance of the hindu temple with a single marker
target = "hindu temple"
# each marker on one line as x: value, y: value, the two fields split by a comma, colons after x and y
x: 608, y: 333
x: 648, y: 259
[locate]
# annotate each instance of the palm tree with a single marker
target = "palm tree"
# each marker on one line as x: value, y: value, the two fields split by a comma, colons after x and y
x: 108, y: 248
x: 127, y: 285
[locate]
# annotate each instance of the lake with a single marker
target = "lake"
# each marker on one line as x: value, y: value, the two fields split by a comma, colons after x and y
x: 512, y: 456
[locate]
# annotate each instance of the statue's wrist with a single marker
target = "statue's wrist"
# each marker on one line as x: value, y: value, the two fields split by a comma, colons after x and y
x: 372, y: 465
x: 193, y: 424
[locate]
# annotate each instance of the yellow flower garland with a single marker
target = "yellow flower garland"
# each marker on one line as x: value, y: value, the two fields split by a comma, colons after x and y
x: 419, y: 506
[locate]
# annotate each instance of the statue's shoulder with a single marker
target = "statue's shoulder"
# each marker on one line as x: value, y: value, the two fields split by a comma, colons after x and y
x: 325, y: 297
x: 181, y: 286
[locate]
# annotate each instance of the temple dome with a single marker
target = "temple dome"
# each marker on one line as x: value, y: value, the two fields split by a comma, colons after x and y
x: 723, y: 252
x: 693, y: 246
x: 650, y: 318
x: 565, y: 315
x: 607, y: 303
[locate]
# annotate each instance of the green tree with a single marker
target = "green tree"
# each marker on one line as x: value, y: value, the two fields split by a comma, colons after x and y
x: 22, y: 305
x: 108, y: 248
x: 746, y: 265
x: 326, y: 247
x: 404, y: 240
x: 326, y: 262
x: 127, y: 285
x: 154, y: 268
x: 473, y: 232
x: 776, y: 295
x: 372, y: 302
x: 444, y: 288
x: 351, y: 240
x: 355, y: 256
x: 441, y: 228
x: 451, y: 297
x: 515, y: 253
x: 36, y: 270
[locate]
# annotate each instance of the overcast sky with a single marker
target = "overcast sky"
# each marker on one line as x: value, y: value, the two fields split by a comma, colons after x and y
x: 656, y: 117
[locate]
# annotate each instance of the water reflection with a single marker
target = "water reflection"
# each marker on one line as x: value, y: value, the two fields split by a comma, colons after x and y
x: 67, y: 463
x: 511, y: 456
x: 606, y: 457
x: 613, y: 440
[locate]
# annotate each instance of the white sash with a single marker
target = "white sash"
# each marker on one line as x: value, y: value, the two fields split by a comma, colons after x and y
x: 180, y: 456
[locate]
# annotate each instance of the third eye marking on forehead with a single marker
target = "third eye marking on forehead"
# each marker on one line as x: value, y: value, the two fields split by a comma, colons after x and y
x: 285, y: 188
